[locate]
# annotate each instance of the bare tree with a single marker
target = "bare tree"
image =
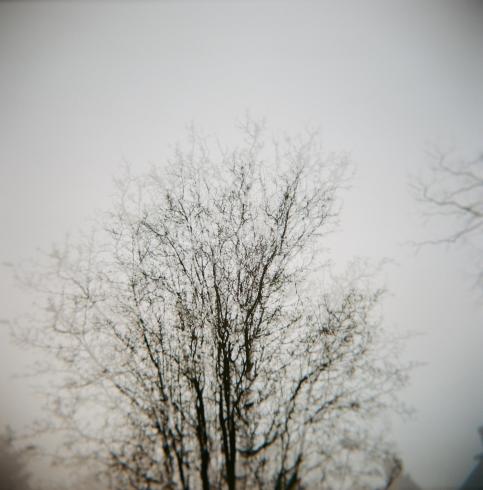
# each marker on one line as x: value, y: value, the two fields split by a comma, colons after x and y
x: 454, y: 190
x: 193, y: 349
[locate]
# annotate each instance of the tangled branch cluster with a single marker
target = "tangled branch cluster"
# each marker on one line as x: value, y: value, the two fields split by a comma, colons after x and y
x: 193, y: 355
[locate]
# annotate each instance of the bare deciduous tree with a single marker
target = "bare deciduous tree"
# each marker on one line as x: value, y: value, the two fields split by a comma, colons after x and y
x: 454, y: 190
x: 192, y: 349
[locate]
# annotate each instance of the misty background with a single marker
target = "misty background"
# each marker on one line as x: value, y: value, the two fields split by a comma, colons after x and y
x: 85, y: 86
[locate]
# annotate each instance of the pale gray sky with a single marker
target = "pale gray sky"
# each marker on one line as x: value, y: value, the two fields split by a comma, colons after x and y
x: 84, y: 85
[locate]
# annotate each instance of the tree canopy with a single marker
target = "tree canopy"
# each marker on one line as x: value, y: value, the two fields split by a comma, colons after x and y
x: 199, y: 340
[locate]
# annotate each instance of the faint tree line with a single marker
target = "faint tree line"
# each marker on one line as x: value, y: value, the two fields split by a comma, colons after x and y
x: 14, y: 472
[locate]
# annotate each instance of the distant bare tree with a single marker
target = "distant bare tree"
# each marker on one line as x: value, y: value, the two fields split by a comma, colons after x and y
x: 454, y: 189
x: 191, y: 349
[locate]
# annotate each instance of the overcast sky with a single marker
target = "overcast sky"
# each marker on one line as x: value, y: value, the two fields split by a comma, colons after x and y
x: 86, y: 85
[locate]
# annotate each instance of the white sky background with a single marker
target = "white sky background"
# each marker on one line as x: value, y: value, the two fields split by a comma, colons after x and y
x: 84, y: 85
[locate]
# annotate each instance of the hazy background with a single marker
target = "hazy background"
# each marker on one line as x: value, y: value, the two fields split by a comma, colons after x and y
x: 86, y: 85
